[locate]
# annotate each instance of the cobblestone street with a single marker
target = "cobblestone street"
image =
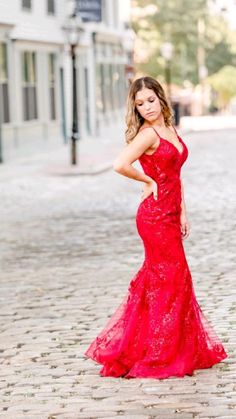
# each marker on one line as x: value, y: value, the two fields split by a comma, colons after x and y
x: 69, y: 248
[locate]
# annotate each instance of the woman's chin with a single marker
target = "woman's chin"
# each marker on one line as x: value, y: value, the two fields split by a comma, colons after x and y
x: 150, y: 118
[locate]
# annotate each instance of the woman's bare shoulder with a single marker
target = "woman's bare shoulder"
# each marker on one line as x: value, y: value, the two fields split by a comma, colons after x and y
x: 145, y: 127
x: 149, y: 135
x: 146, y: 131
x: 145, y: 135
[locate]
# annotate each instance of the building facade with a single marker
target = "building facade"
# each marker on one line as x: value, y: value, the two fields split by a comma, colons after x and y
x: 36, y: 73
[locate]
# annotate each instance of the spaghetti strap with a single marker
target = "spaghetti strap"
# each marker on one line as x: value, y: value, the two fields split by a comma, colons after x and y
x: 156, y: 132
x: 151, y: 127
x: 175, y: 130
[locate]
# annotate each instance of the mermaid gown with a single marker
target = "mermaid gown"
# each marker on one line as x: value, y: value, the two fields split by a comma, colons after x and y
x: 159, y: 329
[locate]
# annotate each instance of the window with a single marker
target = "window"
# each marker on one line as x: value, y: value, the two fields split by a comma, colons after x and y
x: 111, y: 87
x: 122, y: 86
x: 116, y: 13
x: 4, y: 96
x: 103, y: 93
x: 104, y: 10
x: 29, y: 85
x: 52, y: 85
x: 116, y: 93
x: 86, y: 91
x: 51, y: 7
x: 99, y: 101
x: 26, y: 4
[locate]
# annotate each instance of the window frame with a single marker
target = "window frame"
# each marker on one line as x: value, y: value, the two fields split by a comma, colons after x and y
x: 52, y: 86
x: 29, y: 85
x: 4, y: 84
x: 26, y: 8
x: 50, y: 12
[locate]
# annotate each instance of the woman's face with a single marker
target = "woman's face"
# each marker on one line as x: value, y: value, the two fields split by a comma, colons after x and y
x: 148, y: 104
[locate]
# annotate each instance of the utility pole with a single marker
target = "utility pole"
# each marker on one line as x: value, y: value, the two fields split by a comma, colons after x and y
x: 202, y: 70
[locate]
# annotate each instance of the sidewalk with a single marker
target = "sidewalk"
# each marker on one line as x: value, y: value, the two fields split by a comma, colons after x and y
x: 96, y: 155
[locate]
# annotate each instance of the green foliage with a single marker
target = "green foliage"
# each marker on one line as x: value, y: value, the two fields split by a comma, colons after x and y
x: 224, y: 83
x: 219, y: 45
x: 177, y: 21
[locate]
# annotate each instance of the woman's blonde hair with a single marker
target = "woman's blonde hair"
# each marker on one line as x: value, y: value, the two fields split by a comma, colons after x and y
x: 133, y: 118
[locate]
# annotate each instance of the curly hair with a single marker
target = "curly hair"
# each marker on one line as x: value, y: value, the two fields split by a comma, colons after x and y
x: 133, y: 118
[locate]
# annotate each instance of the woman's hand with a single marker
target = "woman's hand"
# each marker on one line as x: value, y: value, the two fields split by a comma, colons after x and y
x: 149, y: 188
x: 184, y: 225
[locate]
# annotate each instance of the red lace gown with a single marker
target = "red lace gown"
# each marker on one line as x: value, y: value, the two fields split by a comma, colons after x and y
x: 159, y: 329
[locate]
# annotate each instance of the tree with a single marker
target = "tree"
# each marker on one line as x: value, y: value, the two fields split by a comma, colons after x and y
x: 224, y: 83
x: 177, y: 21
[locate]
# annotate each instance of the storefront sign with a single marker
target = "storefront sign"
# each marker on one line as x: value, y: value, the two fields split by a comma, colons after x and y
x: 89, y: 10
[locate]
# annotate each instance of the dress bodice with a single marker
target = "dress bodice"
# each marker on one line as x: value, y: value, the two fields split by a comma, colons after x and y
x: 164, y: 166
x: 166, y: 161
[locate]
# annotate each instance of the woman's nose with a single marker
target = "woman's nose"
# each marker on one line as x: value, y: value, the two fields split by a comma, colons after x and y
x: 147, y: 106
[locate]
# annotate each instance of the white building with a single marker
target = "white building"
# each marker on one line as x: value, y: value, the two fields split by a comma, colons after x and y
x: 35, y: 72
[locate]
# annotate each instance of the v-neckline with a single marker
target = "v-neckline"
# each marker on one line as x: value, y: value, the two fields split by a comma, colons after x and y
x: 180, y: 141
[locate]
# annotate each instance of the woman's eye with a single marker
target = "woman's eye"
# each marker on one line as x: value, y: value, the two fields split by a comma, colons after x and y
x: 151, y: 100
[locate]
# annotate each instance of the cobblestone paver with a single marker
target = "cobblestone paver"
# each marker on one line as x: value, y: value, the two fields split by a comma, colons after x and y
x: 69, y: 248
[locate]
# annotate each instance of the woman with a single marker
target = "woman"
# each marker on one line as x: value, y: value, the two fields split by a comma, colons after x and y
x: 159, y: 329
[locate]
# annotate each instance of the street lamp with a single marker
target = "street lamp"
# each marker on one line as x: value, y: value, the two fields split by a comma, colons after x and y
x: 167, y: 52
x: 73, y: 30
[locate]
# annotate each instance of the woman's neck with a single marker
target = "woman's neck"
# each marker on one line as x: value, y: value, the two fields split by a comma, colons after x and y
x: 160, y: 122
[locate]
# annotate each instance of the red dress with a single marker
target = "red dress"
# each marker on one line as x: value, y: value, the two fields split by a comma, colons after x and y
x: 159, y: 329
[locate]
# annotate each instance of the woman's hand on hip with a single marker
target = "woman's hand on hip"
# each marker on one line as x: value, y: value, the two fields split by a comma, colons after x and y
x: 149, y: 188
x: 184, y: 225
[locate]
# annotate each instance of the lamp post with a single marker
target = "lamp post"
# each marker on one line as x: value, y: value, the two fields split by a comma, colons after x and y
x: 73, y: 30
x: 167, y: 52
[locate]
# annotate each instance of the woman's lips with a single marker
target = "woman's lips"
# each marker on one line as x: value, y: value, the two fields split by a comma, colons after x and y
x: 150, y: 113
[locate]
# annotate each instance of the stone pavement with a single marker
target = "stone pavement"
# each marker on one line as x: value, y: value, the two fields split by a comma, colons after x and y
x: 69, y: 248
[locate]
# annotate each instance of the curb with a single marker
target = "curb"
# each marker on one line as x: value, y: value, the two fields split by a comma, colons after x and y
x: 97, y: 170
x: 70, y: 171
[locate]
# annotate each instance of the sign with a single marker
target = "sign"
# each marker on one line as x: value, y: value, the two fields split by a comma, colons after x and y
x: 89, y: 10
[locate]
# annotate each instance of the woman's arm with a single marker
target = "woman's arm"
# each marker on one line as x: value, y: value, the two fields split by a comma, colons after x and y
x: 123, y: 162
x: 184, y: 224
x: 183, y: 205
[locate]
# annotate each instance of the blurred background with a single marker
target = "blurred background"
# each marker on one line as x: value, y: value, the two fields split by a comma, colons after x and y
x: 66, y: 65
x: 62, y: 63
x: 191, y: 47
